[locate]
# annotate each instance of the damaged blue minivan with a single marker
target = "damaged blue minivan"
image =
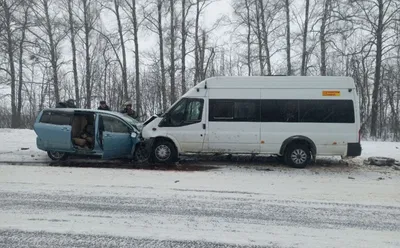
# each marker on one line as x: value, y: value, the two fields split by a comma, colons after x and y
x: 103, y: 134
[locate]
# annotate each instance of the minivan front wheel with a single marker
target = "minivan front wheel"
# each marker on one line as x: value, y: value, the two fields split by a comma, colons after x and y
x: 164, y: 152
x: 57, y: 156
x: 298, y: 156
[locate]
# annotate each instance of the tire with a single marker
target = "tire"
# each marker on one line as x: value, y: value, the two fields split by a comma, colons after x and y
x: 164, y: 152
x: 280, y: 159
x: 297, y: 156
x: 141, y: 154
x: 57, y: 156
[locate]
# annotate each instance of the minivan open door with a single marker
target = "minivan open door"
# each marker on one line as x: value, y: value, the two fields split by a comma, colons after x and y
x: 116, y: 138
x: 53, y: 129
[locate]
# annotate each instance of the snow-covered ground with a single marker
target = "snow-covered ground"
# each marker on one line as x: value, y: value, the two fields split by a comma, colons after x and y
x: 250, y: 205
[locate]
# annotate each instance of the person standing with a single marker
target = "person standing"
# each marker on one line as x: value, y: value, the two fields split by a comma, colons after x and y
x: 129, y: 111
x: 103, y: 106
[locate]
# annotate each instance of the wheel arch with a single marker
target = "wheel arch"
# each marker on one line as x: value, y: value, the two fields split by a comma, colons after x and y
x: 298, y: 139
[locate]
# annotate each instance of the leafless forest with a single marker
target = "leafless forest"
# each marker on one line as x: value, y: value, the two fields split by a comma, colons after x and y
x: 53, y: 50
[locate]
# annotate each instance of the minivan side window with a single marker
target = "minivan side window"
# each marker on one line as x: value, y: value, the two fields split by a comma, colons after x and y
x: 234, y: 110
x: 114, y: 125
x: 56, y: 118
x: 187, y: 111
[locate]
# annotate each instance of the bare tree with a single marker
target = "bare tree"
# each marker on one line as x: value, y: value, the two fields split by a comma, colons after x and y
x: 265, y: 36
x: 156, y: 25
x: 7, y: 16
x: 197, y: 43
x: 288, y: 41
x: 161, y: 43
x: 245, y: 20
x: 73, y: 31
x: 185, y: 11
x: 117, y: 4
x: 54, y: 34
x: 172, y: 49
x: 378, y: 17
x: 305, y: 32
x: 90, y: 14
x: 24, y: 26
x: 259, y: 38
x: 133, y: 18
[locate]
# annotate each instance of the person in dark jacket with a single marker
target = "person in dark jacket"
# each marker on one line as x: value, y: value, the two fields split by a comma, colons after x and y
x: 103, y: 106
x: 129, y: 111
x: 68, y: 104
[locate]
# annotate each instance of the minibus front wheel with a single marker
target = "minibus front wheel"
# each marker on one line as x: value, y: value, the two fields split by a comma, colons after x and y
x: 164, y: 151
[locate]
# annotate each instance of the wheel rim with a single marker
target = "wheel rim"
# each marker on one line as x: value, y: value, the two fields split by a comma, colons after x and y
x: 142, y: 154
x: 299, y: 156
x: 162, y: 152
x: 57, y: 155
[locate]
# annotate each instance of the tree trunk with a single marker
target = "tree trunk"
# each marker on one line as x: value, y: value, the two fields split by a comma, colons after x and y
x: 289, y: 64
x: 322, y: 37
x: 121, y: 38
x: 305, y: 32
x: 265, y: 36
x: 53, y: 51
x: 10, y: 53
x: 172, y: 71
x: 202, y: 52
x: 378, y: 65
x: 21, y: 64
x: 87, y: 30
x: 161, y: 43
x: 137, y: 73
x: 183, y: 51
x: 73, y: 47
x: 248, y: 37
x: 197, y: 45
x: 260, y: 55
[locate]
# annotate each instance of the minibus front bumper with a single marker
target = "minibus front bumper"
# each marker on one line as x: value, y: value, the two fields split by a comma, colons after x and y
x: 353, y: 149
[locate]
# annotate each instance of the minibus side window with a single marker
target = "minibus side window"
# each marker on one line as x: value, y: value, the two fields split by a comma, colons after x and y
x: 234, y: 110
x: 194, y: 111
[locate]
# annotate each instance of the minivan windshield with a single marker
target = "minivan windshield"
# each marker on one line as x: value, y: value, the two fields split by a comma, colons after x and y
x: 130, y: 121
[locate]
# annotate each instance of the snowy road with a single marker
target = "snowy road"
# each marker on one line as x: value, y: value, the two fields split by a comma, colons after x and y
x: 88, y: 207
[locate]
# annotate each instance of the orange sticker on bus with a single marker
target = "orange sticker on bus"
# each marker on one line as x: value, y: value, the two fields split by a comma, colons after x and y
x: 330, y: 93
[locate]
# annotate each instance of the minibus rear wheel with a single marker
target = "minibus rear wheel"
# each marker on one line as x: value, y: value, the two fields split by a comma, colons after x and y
x: 298, y: 155
x: 164, y: 151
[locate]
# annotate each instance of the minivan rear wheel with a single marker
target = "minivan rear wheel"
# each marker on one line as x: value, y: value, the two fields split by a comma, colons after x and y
x: 57, y: 156
x: 297, y: 156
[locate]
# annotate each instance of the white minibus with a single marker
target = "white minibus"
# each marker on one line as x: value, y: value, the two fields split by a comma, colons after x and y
x: 294, y: 117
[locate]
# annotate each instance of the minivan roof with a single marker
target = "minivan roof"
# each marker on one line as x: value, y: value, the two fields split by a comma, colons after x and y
x: 298, y: 82
x: 72, y: 110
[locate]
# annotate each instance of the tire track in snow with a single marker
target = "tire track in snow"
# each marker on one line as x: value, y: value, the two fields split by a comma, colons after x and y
x: 16, y: 238
x: 328, y: 215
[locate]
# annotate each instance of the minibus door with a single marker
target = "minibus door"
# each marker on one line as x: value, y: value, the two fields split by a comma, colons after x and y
x: 186, y: 124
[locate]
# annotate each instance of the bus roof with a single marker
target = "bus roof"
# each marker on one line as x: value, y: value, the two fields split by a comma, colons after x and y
x: 293, y: 82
